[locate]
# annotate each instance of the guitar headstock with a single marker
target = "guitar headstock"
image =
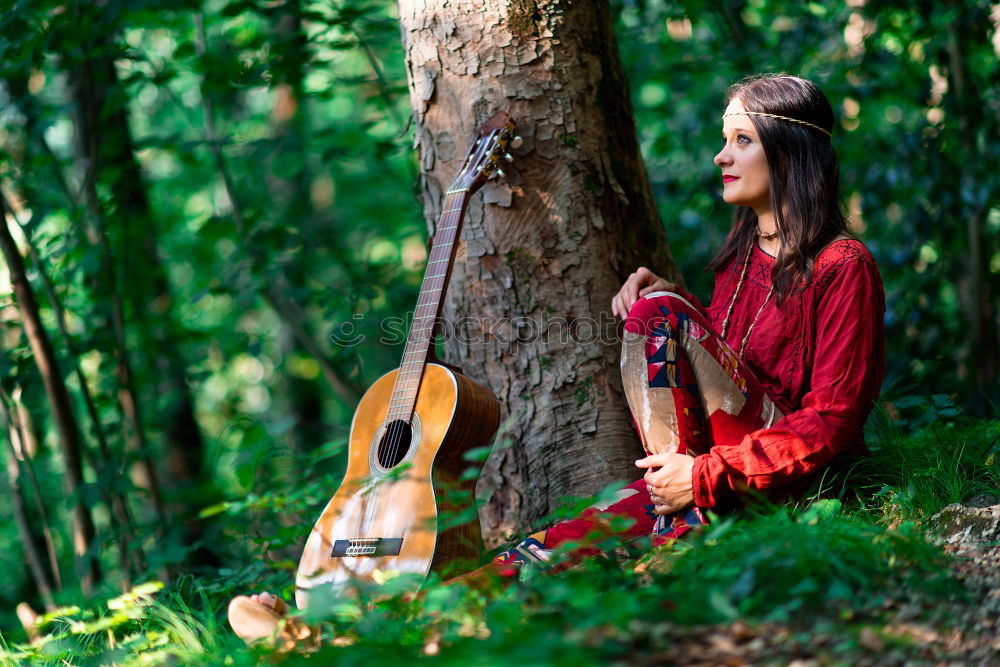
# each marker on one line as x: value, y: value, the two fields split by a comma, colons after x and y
x: 493, y: 139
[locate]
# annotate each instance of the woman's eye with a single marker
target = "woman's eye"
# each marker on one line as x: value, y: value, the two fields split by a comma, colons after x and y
x: 740, y: 139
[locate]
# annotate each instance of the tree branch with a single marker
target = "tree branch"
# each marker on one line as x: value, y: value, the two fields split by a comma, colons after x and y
x: 83, y: 532
x: 119, y: 508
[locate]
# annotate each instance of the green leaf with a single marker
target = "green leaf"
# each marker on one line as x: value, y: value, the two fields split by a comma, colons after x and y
x: 820, y: 510
x: 720, y: 603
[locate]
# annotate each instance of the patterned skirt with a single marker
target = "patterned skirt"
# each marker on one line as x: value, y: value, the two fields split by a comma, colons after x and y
x: 687, y: 392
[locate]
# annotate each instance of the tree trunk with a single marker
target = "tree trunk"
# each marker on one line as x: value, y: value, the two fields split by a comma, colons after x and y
x: 981, y: 357
x: 32, y: 554
x: 545, y: 250
x: 105, y: 465
x: 90, y: 99
x: 105, y: 145
x: 59, y: 401
x: 20, y: 436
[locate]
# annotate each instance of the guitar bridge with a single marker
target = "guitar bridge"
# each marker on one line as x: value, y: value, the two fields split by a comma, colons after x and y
x: 367, y: 546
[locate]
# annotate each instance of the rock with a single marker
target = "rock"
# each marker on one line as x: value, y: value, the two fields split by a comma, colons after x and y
x: 870, y: 640
x: 984, y: 500
x: 742, y: 631
x: 969, y: 523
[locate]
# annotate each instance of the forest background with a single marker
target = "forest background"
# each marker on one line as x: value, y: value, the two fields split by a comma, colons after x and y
x: 210, y: 199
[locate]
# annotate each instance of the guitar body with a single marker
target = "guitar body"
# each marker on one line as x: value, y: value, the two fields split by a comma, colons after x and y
x: 405, y: 464
x: 386, y: 515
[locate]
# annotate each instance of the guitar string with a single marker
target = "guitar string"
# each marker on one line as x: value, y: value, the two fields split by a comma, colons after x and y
x: 449, y: 236
x: 407, y: 376
x: 450, y: 218
x: 450, y: 227
x: 408, y: 368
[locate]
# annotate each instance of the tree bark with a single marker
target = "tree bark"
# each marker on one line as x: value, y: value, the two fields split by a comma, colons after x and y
x: 59, y: 401
x: 545, y: 250
x: 32, y: 554
x: 106, y: 466
x: 981, y: 357
x: 105, y: 146
x: 18, y: 430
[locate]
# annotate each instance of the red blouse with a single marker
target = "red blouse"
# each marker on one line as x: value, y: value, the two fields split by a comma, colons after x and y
x: 821, y: 359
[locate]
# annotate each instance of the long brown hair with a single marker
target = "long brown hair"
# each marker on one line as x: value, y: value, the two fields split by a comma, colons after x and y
x: 804, y: 175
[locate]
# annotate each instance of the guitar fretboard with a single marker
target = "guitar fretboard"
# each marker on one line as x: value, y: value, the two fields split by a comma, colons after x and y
x: 418, y: 342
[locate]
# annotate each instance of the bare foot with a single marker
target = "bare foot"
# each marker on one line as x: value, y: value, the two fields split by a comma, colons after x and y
x: 262, y: 617
x: 272, y: 602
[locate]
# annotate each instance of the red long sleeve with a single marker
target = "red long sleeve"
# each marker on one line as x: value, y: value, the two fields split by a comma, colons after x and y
x: 822, y: 360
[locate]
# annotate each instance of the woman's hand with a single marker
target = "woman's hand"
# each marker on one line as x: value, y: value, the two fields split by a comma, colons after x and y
x: 668, y: 480
x: 636, y: 286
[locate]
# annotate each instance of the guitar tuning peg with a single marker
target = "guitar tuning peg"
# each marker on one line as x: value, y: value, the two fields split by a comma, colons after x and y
x: 500, y: 173
x: 508, y: 157
x: 516, y: 142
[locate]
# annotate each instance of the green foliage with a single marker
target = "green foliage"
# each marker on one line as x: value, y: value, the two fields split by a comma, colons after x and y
x: 825, y: 563
x: 776, y: 566
x: 915, y: 97
x: 311, y: 195
x: 138, y: 627
x: 919, y: 463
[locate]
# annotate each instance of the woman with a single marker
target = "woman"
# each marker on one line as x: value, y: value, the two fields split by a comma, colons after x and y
x: 759, y: 392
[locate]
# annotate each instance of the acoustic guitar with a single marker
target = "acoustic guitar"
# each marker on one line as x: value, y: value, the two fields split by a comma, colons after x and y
x: 410, y: 431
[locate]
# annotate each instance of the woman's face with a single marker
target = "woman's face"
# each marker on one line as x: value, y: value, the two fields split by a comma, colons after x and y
x: 746, y: 180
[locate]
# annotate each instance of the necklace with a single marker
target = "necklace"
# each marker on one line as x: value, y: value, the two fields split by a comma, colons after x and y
x: 768, y: 236
x: 736, y: 293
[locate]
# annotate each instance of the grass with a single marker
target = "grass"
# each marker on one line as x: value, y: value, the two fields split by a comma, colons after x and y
x: 838, y: 557
x: 925, y: 458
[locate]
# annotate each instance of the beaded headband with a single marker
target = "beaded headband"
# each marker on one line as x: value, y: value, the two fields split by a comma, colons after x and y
x: 772, y: 115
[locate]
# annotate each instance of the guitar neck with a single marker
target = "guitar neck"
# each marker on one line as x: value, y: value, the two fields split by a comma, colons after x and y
x: 428, y: 309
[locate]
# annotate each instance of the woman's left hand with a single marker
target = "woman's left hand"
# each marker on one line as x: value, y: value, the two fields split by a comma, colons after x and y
x: 669, y: 486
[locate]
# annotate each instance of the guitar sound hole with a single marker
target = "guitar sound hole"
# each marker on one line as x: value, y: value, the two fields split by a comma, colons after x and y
x: 394, y: 444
